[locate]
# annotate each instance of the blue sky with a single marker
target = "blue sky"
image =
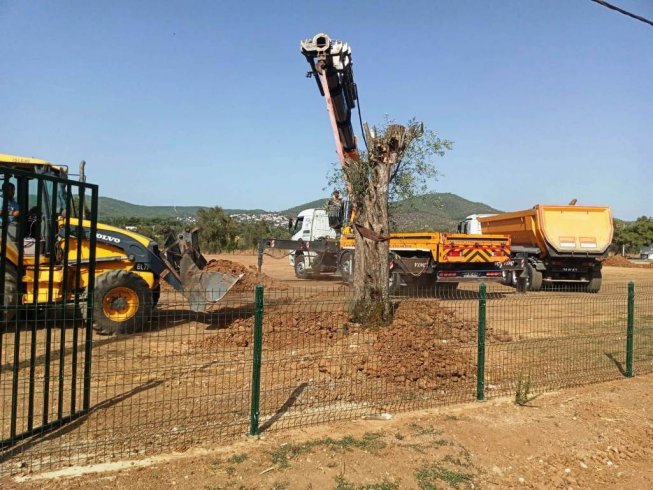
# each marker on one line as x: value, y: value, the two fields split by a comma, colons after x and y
x: 206, y: 103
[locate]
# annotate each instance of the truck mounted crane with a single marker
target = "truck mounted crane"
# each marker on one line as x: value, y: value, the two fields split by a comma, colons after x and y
x: 423, y: 258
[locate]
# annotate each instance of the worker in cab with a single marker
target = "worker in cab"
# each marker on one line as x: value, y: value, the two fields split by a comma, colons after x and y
x: 8, y: 196
x: 8, y: 193
x: 334, y: 209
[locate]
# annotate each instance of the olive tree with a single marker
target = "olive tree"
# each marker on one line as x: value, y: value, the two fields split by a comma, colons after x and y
x: 399, y: 161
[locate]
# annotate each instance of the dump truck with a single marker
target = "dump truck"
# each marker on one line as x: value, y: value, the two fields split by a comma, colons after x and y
x: 51, y: 242
x: 416, y: 258
x: 553, y: 244
x: 422, y: 258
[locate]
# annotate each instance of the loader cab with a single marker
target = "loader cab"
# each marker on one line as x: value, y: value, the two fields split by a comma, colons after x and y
x: 42, y: 198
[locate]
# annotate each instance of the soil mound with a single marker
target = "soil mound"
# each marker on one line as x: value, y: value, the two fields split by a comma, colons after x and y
x: 425, y: 345
x: 621, y: 261
x: 250, y: 278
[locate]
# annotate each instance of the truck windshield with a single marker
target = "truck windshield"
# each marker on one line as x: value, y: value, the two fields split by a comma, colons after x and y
x: 298, y: 225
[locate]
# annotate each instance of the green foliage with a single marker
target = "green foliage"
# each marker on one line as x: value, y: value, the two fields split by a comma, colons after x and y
x: 429, y: 475
x: 413, y: 172
x: 280, y: 485
x: 149, y: 227
x: 219, y: 231
x: 438, y: 211
x: 370, y: 442
x: 523, y: 393
x: 424, y: 431
x: 343, y: 484
x: 113, y: 208
x: 238, y: 458
x: 417, y: 166
x: 294, y: 211
x: 633, y: 235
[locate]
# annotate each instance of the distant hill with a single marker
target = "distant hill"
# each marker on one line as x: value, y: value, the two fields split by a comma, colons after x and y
x: 294, y: 211
x: 439, y: 211
x: 113, y: 208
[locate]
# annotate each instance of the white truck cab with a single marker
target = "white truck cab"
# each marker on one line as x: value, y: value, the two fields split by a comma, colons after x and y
x: 311, y: 224
x: 470, y: 225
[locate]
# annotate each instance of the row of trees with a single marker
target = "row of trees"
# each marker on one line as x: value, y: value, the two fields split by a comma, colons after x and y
x: 219, y: 232
x: 631, y: 237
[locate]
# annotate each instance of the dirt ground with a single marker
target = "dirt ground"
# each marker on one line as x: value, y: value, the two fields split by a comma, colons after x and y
x: 589, y: 437
x: 616, y: 270
x: 160, y: 379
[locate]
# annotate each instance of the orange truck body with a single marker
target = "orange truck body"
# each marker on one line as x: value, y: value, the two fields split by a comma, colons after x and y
x: 556, y: 230
x: 445, y: 257
x: 564, y: 244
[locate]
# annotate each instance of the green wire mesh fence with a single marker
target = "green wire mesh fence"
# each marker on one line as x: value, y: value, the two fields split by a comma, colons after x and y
x: 278, y: 358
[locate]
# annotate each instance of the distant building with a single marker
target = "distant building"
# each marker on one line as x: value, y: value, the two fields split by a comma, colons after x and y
x: 646, y: 253
x: 131, y: 228
x: 274, y: 219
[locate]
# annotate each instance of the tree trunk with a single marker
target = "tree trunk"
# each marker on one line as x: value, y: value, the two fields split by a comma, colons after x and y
x: 371, y: 304
x: 371, y: 296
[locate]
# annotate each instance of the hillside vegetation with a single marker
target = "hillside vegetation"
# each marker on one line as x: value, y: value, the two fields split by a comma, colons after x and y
x: 441, y: 211
x: 113, y: 208
x: 435, y: 212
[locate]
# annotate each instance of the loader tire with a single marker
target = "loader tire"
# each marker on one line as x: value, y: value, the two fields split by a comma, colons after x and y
x: 10, y: 298
x: 122, y: 302
x: 594, y: 286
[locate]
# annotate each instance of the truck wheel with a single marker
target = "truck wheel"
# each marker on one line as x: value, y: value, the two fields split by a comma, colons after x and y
x: 346, y: 267
x: 122, y: 302
x: 595, y: 282
x: 534, y: 280
x: 507, y: 278
x: 10, y: 298
x: 300, y: 267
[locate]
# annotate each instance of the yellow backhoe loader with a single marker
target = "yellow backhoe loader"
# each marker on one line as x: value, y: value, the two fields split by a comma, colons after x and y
x: 54, y: 251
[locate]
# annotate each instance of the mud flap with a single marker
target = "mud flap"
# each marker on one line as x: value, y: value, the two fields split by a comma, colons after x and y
x: 203, y: 288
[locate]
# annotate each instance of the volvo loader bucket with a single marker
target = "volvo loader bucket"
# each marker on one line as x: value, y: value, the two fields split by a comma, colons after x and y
x: 203, y: 288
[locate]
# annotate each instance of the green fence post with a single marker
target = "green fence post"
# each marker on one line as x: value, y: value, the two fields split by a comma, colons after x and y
x: 480, y: 355
x: 630, y: 330
x: 256, y: 361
